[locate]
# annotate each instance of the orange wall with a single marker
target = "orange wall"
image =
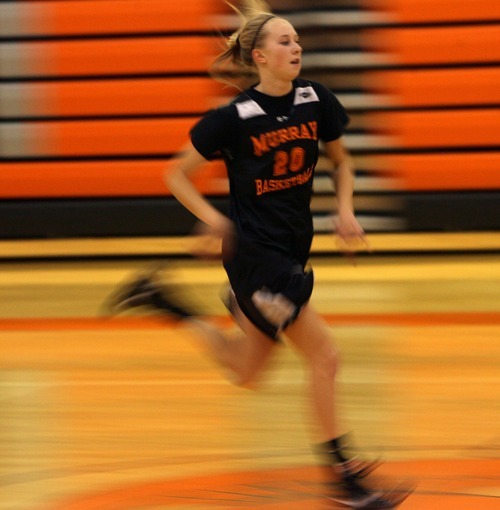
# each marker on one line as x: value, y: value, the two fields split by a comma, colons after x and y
x: 443, y: 82
x: 94, y: 83
x: 103, y: 81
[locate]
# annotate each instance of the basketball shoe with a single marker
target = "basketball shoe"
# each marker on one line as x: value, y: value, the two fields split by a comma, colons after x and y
x: 147, y: 290
x: 345, y: 476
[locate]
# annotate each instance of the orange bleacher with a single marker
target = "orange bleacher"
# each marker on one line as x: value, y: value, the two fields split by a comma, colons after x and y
x: 80, y: 179
x: 450, y: 89
x: 141, y: 96
x: 443, y: 45
x: 443, y: 90
x: 100, y: 79
x: 439, y: 128
x: 437, y: 87
x: 90, y: 17
x: 432, y: 11
x: 100, y: 138
x: 109, y: 57
x: 446, y: 171
x: 95, y: 82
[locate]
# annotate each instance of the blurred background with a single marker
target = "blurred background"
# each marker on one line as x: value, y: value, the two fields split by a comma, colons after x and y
x: 97, y: 95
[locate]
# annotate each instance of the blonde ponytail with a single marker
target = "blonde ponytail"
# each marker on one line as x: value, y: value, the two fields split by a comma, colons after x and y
x: 234, y: 66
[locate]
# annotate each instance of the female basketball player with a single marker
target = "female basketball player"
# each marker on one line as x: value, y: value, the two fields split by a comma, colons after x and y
x: 268, y: 136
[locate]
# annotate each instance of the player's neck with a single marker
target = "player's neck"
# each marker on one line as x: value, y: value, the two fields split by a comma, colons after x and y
x: 274, y: 87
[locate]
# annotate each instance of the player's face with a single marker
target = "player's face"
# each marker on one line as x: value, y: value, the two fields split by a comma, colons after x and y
x: 281, y: 49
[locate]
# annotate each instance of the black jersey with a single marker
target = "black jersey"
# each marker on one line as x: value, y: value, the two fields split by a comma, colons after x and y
x: 270, y: 147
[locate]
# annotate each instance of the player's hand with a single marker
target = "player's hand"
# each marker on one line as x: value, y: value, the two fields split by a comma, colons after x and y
x: 350, y: 236
x: 210, y: 241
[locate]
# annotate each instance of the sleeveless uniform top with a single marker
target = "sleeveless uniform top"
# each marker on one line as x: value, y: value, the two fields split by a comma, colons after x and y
x: 270, y: 147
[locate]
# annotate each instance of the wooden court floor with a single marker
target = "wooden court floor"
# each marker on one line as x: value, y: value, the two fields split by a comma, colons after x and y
x: 125, y: 413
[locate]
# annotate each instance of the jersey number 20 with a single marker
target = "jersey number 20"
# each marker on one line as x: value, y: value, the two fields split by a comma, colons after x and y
x: 292, y: 161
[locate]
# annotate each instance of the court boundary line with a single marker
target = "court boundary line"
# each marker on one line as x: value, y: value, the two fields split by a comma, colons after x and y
x: 157, y: 323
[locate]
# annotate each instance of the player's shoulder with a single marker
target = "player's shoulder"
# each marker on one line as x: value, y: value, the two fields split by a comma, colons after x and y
x: 220, y: 116
x: 322, y: 91
x: 247, y: 105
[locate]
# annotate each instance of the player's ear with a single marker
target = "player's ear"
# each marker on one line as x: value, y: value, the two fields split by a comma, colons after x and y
x: 258, y: 56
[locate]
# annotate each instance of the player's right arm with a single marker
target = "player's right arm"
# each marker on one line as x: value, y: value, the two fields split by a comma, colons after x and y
x: 179, y: 182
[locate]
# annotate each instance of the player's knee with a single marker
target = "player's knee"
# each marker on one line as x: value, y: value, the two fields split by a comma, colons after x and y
x: 250, y: 374
x: 326, y: 363
x: 245, y: 379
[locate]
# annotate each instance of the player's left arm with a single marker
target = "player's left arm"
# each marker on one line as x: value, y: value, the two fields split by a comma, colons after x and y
x: 348, y: 230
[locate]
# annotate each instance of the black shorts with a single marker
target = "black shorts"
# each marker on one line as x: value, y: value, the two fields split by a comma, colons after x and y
x: 254, y: 268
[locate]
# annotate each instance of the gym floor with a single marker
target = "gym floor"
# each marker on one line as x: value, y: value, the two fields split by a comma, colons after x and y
x: 126, y: 413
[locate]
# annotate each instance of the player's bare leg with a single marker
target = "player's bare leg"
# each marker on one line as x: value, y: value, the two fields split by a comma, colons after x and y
x: 242, y: 355
x: 246, y: 357
x: 345, y: 475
